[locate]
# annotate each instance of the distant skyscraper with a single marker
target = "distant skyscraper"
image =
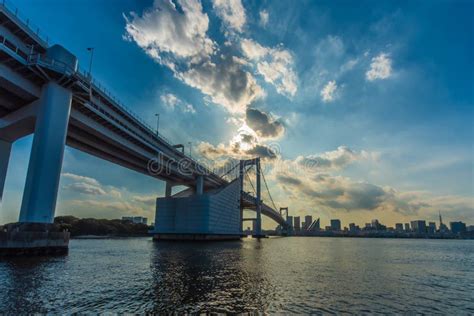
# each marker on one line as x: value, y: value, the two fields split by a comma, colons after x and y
x: 431, y: 228
x: 296, y: 223
x: 457, y: 227
x: 308, y: 219
x: 375, y: 224
x: 289, y: 221
x: 418, y: 226
x: 442, y: 227
x: 352, y: 227
x: 335, y: 224
x: 407, y: 227
x: 399, y: 227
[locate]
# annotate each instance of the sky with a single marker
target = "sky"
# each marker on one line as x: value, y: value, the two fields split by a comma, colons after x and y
x: 360, y: 110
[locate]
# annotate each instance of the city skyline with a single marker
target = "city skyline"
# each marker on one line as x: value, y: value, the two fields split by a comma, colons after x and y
x: 314, y: 217
x: 356, y: 101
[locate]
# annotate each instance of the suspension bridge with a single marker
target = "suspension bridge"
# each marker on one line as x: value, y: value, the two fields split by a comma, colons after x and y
x: 44, y: 92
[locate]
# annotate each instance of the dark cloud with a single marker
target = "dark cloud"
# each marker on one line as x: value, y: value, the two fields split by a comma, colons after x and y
x: 340, y: 193
x: 263, y: 124
x: 336, y: 159
x: 262, y: 151
x: 224, y: 80
x: 249, y: 139
x: 235, y: 151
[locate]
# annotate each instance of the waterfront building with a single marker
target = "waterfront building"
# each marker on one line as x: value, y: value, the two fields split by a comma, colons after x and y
x: 457, y: 227
x: 289, y: 221
x: 407, y: 227
x: 135, y: 219
x: 399, y: 227
x: 352, y: 227
x: 296, y: 223
x: 335, y: 224
x: 418, y: 226
x: 431, y: 228
x: 308, y: 219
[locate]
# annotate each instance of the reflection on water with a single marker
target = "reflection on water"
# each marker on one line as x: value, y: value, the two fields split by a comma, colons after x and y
x: 293, y: 275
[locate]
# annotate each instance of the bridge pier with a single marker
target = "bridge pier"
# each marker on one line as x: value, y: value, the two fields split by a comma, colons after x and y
x: 168, y: 189
x: 198, y: 215
x: 44, y: 169
x: 199, y: 184
x: 5, y: 150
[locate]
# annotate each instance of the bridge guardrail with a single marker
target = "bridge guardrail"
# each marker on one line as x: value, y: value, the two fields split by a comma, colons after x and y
x: 54, y: 64
x: 10, y: 7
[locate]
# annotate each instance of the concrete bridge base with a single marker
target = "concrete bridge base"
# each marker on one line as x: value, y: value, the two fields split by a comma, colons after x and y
x: 195, y: 237
x: 32, y: 239
x: 212, y: 215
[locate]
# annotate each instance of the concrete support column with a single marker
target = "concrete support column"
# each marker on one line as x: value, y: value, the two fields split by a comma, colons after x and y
x: 241, y: 177
x: 200, y: 185
x: 168, y: 189
x: 259, y: 199
x: 44, y: 169
x: 5, y: 149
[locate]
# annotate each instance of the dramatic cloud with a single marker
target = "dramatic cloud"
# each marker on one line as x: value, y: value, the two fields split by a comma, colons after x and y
x: 341, y: 193
x: 225, y: 82
x: 334, y: 160
x: 172, y: 102
x: 380, y: 68
x: 85, y: 188
x: 234, y: 151
x: 78, y: 178
x: 263, y: 124
x: 108, y: 201
x: 231, y: 12
x: 178, y: 40
x: 328, y: 93
x: 87, y: 185
x: 163, y: 30
x: 274, y: 64
x: 149, y: 200
x: 264, y: 17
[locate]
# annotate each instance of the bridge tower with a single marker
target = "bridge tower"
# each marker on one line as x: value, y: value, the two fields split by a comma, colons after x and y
x: 258, y: 199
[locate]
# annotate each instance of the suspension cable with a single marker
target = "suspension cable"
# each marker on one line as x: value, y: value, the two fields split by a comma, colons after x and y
x: 254, y: 191
x: 268, y: 190
x: 232, y: 169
